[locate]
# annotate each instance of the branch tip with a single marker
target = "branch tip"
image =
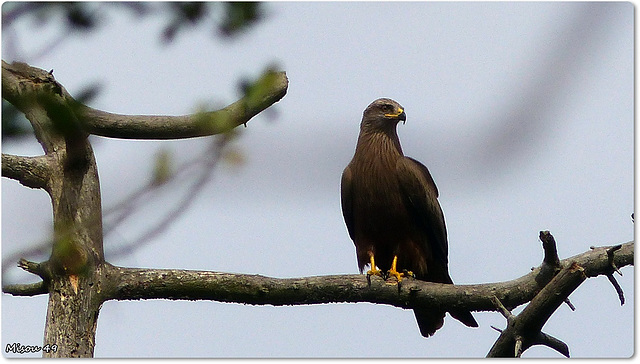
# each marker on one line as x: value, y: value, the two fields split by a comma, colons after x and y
x: 550, y: 248
x: 571, y: 306
x: 518, y: 347
x: 500, y: 307
x: 617, y: 287
x: 29, y: 266
x: 552, y: 342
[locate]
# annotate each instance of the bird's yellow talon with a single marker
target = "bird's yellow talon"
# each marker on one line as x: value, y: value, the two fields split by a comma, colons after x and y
x: 374, y: 271
x: 394, y: 272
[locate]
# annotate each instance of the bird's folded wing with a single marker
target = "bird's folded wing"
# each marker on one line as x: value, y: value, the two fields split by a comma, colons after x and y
x: 347, y: 200
x: 421, y: 196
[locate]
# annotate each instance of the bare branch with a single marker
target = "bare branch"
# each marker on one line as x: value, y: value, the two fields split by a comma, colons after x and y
x: 552, y: 342
x: 550, y: 249
x: 269, y: 89
x: 32, y: 289
x: 23, y: 84
x: 34, y: 268
x: 550, y: 262
x: 524, y: 330
x: 503, y: 310
x: 617, y: 287
x: 542, y: 306
x: 32, y: 172
x: 596, y: 262
x: 568, y: 302
x: 134, y: 284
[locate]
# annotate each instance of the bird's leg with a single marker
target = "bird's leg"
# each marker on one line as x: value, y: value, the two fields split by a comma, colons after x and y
x: 374, y: 270
x: 394, y: 272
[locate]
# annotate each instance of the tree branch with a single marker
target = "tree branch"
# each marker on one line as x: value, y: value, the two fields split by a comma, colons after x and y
x: 23, y: 84
x: 614, y: 268
x: 550, y: 262
x: 267, y: 90
x: 32, y: 172
x: 137, y: 283
x: 524, y: 330
x: 41, y: 270
x: 31, y: 289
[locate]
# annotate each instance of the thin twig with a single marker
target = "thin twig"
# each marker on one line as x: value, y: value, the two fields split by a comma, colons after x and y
x: 568, y: 302
x: 503, y: 310
x: 617, y: 287
x: 552, y: 342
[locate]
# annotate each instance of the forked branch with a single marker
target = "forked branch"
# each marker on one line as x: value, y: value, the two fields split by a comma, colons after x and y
x: 524, y: 330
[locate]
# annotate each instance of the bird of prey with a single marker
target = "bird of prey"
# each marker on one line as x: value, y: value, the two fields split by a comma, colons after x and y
x: 390, y: 206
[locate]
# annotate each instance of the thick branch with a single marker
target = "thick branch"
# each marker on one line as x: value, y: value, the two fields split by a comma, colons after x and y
x: 137, y: 283
x: 32, y: 172
x: 133, y: 284
x: 269, y: 89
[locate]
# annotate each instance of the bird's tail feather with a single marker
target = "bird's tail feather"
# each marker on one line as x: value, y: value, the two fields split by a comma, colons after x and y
x: 429, y: 321
x: 465, y: 317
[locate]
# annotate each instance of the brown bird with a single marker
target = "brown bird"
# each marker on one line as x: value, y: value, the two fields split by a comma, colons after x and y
x: 390, y: 206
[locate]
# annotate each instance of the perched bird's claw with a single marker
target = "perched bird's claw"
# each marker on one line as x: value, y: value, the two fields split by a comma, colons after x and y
x: 408, y: 273
x: 394, y: 272
x: 374, y: 272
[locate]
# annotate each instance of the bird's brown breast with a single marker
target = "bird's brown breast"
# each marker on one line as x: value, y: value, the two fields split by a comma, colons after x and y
x: 383, y: 225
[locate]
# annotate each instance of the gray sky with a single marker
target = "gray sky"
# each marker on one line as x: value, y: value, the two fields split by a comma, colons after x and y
x: 523, y: 112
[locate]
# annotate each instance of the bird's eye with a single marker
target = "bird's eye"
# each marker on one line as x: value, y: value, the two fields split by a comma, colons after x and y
x: 387, y: 108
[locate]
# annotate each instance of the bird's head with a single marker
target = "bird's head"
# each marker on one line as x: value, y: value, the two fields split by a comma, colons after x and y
x: 383, y: 114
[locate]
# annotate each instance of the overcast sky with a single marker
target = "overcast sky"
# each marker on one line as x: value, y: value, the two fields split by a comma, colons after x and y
x: 523, y: 112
